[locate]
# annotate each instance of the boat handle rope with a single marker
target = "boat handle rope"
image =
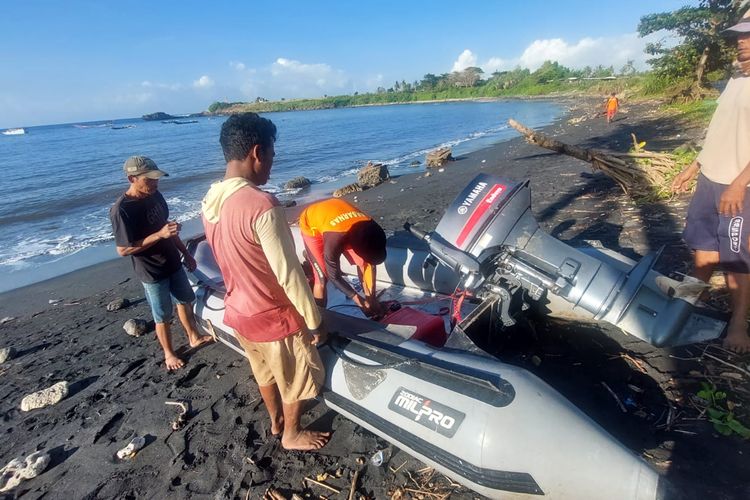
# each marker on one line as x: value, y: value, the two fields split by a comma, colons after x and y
x: 387, y: 366
x: 206, y: 294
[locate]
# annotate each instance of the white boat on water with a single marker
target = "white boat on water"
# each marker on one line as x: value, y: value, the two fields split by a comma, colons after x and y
x: 14, y: 131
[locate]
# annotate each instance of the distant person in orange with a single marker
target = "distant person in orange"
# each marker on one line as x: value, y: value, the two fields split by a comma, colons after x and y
x: 332, y: 228
x: 613, y: 104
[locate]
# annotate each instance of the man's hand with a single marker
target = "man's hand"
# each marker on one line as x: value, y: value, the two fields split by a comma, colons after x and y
x: 189, y: 262
x: 732, y: 200
x: 319, y: 335
x: 371, y: 307
x: 681, y: 182
x: 170, y: 229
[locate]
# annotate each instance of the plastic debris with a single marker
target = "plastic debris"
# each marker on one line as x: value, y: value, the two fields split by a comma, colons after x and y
x: 380, y: 457
x: 181, y: 419
x: 131, y: 450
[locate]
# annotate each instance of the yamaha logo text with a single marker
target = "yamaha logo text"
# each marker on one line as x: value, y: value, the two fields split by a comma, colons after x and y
x: 735, y: 230
x: 469, y: 200
x: 433, y: 415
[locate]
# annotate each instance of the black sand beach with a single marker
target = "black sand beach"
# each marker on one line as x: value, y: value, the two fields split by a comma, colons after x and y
x: 61, y: 330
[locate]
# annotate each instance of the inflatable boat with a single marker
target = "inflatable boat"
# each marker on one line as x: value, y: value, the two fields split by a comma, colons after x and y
x: 492, y: 426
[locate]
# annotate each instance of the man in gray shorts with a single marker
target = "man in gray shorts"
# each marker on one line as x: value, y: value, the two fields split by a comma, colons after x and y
x: 718, y: 219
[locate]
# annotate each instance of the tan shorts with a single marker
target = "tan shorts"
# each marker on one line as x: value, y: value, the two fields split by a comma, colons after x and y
x: 292, y: 363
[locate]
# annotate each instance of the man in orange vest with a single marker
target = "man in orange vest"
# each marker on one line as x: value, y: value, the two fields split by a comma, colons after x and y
x: 332, y: 228
x: 613, y: 104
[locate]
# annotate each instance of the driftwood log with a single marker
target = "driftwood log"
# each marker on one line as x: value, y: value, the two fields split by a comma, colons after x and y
x: 640, y: 173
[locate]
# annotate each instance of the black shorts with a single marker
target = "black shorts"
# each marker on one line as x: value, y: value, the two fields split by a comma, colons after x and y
x: 706, y: 229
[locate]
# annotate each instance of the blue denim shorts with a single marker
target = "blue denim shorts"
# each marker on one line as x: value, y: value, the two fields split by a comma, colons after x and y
x: 706, y: 229
x: 160, y: 294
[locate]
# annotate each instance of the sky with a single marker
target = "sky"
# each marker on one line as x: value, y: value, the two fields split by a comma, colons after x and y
x: 78, y: 60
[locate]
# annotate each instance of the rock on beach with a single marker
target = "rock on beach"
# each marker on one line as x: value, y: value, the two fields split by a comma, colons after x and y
x: 45, y: 397
x: 350, y: 188
x: 135, y: 327
x: 438, y: 157
x: 372, y: 174
x: 118, y: 304
x: 6, y: 353
x: 298, y: 183
x: 19, y: 469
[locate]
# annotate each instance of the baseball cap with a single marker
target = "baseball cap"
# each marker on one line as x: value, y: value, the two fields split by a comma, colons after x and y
x: 741, y: 27
x: 142, y: 165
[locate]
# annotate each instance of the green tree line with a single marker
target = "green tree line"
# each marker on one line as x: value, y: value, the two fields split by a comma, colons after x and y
x: 702, y: 53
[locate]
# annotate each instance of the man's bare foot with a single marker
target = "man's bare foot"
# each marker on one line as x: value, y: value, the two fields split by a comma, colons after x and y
x: 277, y: 427
x: 305, y: 440
x: 737, y: 339
x: 200, y: 340
x: 173, y: 363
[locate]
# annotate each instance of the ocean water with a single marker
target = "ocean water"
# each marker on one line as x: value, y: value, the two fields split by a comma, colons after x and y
x: 60, y: 180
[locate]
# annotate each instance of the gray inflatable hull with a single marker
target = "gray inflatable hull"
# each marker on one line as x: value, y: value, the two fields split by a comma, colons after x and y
x: 488, y: 425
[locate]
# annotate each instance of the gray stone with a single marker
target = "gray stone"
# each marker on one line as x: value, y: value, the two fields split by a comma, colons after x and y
x: 372, y: 174
x: 19, y: 469
x: 297, y: 183
x: 351, y: 188
x: 46, y: 397
x: 135, y: 327
x: 6, y: 353
x: 118, y: 304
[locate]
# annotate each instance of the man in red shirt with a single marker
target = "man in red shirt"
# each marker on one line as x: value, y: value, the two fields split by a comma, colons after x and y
x: 268, y: 301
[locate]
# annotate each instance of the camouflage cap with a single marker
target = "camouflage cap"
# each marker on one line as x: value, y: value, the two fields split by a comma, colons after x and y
x: 142, y: 165
x: 741, y: 27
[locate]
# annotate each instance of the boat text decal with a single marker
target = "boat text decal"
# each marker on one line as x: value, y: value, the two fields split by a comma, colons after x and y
x: 431, y: 414
x: 495, y: 191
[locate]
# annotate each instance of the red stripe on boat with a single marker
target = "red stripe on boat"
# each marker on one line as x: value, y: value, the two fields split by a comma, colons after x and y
x: 482, y: 207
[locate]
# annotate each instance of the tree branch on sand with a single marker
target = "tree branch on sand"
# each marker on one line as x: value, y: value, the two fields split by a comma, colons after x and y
x: 641, y: 174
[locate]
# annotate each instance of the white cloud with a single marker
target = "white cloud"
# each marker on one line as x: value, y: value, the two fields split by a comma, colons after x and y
x: 465, y: 60
x: 615, y: 51
x: 495, y: 64
x: 239, y: 66
x: 133, y: 98
x: 204, y: 82
x: 174, y: 87
x: 607, y: 51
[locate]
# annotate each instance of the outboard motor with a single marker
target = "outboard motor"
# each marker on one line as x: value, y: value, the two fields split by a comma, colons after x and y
x: 490, y: 238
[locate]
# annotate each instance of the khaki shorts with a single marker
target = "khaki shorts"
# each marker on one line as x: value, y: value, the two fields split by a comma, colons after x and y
x: 292, y: 363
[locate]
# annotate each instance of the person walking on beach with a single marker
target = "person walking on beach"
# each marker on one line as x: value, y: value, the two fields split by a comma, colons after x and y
x: 611, y: 107
x: 143, y: 231
x: 268, y: 302
x: 718, y: 219
x: 332, y: 228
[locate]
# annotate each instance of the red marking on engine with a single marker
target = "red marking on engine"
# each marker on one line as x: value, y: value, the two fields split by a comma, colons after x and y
x: 478, y: 212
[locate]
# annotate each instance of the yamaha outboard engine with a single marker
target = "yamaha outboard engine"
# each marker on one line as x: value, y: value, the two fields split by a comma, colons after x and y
x: 490, y: 238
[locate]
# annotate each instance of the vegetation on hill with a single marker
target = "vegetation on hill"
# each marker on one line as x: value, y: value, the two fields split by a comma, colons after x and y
x: 683, y: 72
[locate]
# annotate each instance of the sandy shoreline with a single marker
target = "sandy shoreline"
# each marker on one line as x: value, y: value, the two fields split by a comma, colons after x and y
x: 119, y: 385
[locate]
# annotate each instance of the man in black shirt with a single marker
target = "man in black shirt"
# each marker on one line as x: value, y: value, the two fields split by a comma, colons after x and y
x: 143, y: 231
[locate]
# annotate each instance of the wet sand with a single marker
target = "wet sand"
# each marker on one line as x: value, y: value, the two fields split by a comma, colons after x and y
x: 61, y: 330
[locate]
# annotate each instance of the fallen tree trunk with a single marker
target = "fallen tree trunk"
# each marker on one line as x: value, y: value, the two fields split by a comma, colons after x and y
x: 640, y: 173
